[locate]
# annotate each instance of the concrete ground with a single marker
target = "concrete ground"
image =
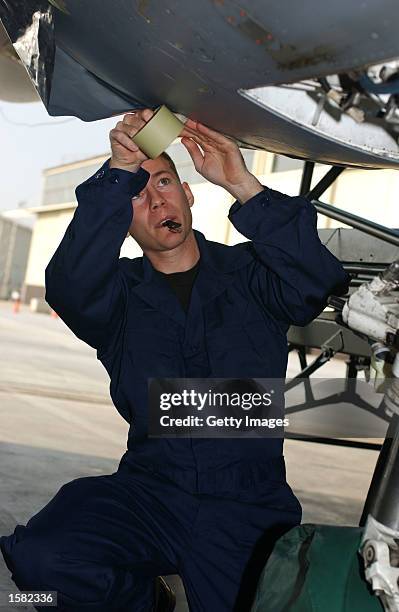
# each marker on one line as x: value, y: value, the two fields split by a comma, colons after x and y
x: 51, y: 387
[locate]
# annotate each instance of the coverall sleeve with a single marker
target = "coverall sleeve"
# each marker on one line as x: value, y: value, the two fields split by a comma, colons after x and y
x: 84, y: 283
x: 295, y: 272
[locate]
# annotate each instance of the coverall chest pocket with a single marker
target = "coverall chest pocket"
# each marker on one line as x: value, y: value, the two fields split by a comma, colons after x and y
x: 239, y: 350
x: 152, y: 351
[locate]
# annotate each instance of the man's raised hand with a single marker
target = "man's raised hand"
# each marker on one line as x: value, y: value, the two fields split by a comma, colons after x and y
x: 125, y: 153
x: 218, y: 159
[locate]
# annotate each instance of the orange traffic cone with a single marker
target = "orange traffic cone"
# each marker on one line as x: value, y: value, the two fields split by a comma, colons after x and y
x: 16, y: 306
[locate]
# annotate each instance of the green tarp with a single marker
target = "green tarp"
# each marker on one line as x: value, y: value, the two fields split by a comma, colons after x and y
x: 316, y: 568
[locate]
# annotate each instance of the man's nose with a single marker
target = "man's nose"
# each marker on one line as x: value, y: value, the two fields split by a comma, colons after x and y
x: 156, y: 199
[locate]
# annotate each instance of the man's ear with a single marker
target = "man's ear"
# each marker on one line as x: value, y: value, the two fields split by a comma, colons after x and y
x: 189, y: 193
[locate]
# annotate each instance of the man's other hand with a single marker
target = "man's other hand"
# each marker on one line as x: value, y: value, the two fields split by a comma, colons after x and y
x: 125, y: 153
x: 218, y: 159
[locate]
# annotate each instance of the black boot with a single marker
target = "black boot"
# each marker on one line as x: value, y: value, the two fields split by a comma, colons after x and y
x: 164, y: 597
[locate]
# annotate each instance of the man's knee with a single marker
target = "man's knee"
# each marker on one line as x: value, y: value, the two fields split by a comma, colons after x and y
x: 31, y: 561
x: 35, y: 564
x: 27, y: 559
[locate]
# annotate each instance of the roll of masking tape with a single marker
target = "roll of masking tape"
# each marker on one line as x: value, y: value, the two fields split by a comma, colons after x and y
x: 158, y: 133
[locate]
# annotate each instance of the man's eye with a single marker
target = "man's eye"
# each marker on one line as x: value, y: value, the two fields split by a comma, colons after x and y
x: 164, y: 180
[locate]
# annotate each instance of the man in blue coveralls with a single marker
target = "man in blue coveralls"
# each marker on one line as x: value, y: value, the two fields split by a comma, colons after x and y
x: 206, y: 509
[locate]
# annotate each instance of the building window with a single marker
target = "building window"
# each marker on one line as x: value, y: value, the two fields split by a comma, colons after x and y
x: 59, y: 188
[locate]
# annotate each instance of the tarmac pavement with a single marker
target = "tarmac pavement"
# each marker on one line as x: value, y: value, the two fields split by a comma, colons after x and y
x: 57, y: 423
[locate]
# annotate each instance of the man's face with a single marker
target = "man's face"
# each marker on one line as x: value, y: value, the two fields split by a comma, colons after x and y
x: 163, y: 197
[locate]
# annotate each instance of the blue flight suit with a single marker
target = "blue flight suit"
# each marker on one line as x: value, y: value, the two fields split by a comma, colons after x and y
x: 207, y: 509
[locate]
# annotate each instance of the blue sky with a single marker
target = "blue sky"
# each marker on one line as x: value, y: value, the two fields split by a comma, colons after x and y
x: 26, y: 151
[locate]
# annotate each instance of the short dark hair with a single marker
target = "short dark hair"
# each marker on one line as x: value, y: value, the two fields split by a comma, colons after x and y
x: 170, y: 162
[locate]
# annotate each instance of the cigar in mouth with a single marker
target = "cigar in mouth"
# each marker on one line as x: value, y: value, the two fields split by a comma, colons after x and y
x: 173, y: 226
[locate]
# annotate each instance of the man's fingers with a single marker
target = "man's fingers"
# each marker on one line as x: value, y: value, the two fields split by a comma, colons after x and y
x: 194, y: 152
x: 138, y: 118
x: 201, y: 128
x: 208, y: 147
x: 122, y: 138
x: 205, y: 143
x: 210, y: 136
x: 190, y: 123
x: 223, y: 142
x: 131, y: 118
x: 187, y: 131
x: 144, y: 114
x: 133, y: 115
x: 147, y: 114
x: 190, y: 132
x: 128, y: 128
